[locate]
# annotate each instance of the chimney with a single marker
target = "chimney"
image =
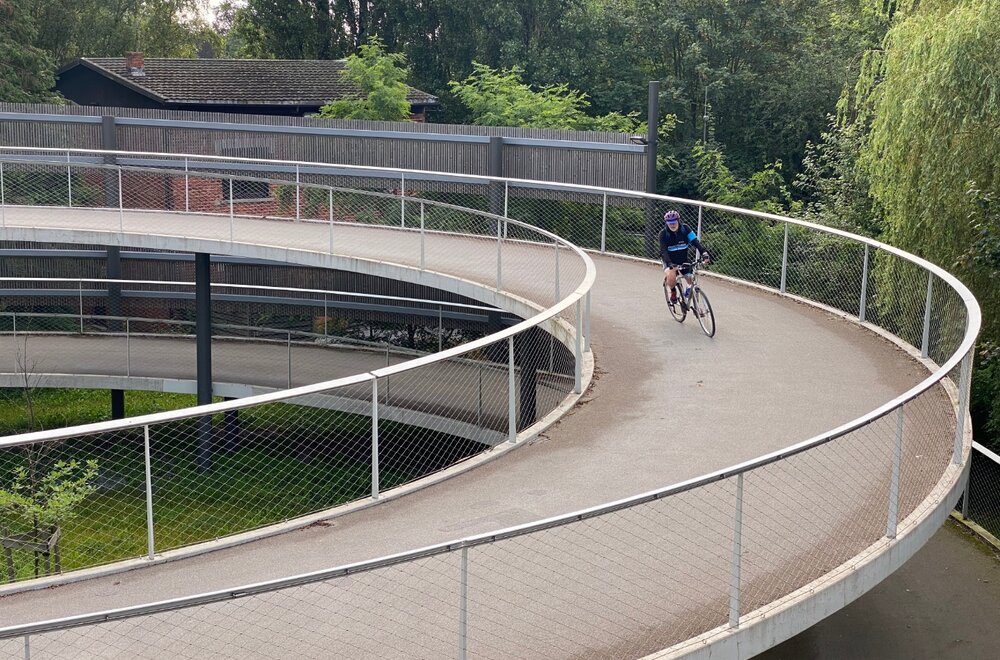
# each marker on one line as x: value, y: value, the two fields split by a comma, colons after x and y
x: 135, y: 64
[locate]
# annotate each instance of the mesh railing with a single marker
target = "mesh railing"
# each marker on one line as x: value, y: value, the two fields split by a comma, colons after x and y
x: 626, y: 578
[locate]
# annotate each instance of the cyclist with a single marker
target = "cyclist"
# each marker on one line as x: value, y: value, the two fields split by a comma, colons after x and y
x: 676, y: 239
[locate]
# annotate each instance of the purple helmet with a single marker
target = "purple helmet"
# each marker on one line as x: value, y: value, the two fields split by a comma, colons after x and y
x: 671, y: 217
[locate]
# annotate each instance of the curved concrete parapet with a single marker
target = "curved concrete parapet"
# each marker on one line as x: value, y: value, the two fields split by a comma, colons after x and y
x: 719, y: 565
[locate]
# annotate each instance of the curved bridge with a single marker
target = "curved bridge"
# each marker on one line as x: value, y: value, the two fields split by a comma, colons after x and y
x: 728, y: 563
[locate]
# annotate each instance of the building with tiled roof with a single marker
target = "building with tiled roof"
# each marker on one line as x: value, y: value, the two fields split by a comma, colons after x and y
x: 271, y: 87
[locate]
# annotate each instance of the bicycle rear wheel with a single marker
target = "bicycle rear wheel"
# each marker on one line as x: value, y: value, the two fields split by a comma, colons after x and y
x: 678, y: 309
x: 703, y: 311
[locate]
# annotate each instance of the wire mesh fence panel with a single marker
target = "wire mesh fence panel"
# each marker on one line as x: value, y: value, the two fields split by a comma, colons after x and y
x: 78, y: 502
x: 897, y: 296
x: 824, y: 268
x: 926, y: 448
x: 617, y: 585
x: 244, y: 469
x: 404, y: 611
x: 983, y: 493
x: 744, y: 247
x: 808, y: 514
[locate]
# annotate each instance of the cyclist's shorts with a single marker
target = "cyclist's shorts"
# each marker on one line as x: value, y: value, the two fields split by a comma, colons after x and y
x: 685, y: 270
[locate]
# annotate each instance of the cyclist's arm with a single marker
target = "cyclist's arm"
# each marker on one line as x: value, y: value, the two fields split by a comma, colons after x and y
x: 693, y: 237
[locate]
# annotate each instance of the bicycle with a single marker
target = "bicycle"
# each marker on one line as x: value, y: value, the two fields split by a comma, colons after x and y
x: 692, y: 298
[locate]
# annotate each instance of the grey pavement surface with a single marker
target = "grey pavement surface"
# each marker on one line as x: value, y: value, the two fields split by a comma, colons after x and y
x: 667, y: 404
x: 941, y: 605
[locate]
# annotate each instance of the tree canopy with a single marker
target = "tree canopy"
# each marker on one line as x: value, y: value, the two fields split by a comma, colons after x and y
x: 380, y: 76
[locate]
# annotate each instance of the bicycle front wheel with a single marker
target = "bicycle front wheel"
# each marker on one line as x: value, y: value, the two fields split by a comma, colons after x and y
x: 703, y: 312
x: 678, y: 309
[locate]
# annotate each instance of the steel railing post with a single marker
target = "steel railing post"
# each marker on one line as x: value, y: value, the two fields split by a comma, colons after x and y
x: 578, y: 370
x: 289, y: 359
x: 330, y: 213
x: 926, y: 340
x: 121, y: 203
x: 298, y: 196
x: 864, y: 286
x: 500, y: 232
x: 69, y: 181
x: 700, y: 210
x: 965, y: 492
x: 604, y: 223
x: 506, y: 198
x: 3, y: 199
x: 586, y: 325
x: 897, y: 454
x: 402, y: 200
x: 422, y: 249
x: 737, y: 559
x: 557, y: 273
x: 326, y: 315
x: 27, y: 647
x: 479, y: 404
x: 231, y: 213
x: 375, y: 484
x: 128, y: 349
x: 80, y: 293
x: 511, y: 403
x: 150, y: 538
x: 963, y: 401
x: 784, y: 260
x: 463, y: 607
x: 187, y: 188
x: 440, y: 328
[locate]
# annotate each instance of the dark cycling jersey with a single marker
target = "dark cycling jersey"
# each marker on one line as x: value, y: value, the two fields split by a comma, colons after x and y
x: 674, y: 245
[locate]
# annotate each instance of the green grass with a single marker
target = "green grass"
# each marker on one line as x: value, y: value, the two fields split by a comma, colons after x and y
x: 290, y: 461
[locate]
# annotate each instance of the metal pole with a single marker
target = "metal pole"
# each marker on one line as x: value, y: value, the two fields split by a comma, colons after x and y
x: 27, y: 647
x: 423, y: 261
x: 121, y: 203
x: 586, y: 325
x: 150, y: 538
x: 80, y: 285
x: 735, y: 567
x: 289, y: 359
x: 864, y: 287
x: 230, y: 209
x: 326, y: 315
x: 557, y: 273
x: 925, y: 342
x: 330, y: 213
x: 499, y: 261
x: 187, y: 188
x: 479, y: 407
x: 784, y: 260
x: 963, y: 400
x: 511, y: 404
x: 897, y: 453
x: 652, y: 120
x: 700, y: 210
x: 965, y: 494
x: 506, y: 200
x: 375, y: 485
x: 463, y: 607
x: 3, y: 200
x: 203, y: 355
x: 128, y: 350
x: 440, y: 329
x: 402, y: 200
x: 578, y: 375
x: 298, y: 196
x: 69, y: 181
x: 604, y: 223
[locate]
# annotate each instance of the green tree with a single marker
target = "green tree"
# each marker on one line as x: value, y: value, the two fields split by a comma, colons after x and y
x: 25, y: 70
x: 500, y: 98
x: 380, y: 76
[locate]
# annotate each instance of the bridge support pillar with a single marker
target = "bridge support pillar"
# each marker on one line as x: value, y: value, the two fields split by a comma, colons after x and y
x: 203, y: 333
x: 530, y: 354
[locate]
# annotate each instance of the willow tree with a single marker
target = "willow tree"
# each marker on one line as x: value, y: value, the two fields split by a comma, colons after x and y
x: 933, y: 152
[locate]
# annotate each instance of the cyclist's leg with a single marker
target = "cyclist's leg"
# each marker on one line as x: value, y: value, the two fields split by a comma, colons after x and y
x: 669, y: 275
